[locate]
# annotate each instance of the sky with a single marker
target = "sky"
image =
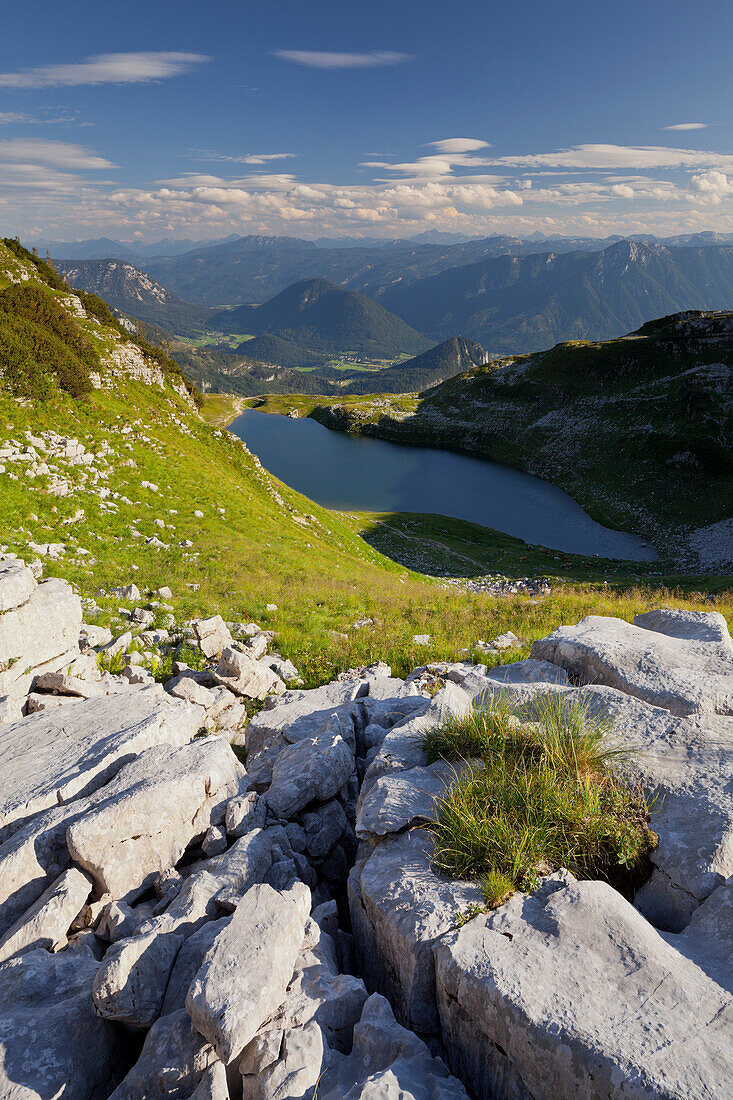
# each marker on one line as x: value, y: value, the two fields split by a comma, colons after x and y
x: 310, y: 118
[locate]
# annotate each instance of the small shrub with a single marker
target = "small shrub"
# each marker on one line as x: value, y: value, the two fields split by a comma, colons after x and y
x: 543, y: 797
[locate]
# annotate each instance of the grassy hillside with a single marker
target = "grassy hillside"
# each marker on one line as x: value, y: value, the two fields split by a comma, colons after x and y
x: 317, y: 315
x: 639, y: 430
x: 130, y: 515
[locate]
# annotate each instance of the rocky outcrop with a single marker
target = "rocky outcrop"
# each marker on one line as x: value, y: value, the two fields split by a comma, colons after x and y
x: 151, y: 812
x: 39, y: 631
x: 568, y: 992
x: 52, y: 1042
x: 512, y: 994
x: 46, y: 760
x: 172, y: 923
x: 682, y: 661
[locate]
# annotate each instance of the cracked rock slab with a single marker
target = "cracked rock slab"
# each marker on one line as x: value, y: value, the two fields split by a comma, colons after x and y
x: 245, y: 974
x: 52, y: 1043
x: 570, y: 992
x: 399, y: 909
x: 669, y: 659
x: 168, y: 796
x: 50, y: 758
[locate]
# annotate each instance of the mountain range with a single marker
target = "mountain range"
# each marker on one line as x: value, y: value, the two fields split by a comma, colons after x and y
x: 514, y: 304
x: 254, y: 268
x: 126, y: 288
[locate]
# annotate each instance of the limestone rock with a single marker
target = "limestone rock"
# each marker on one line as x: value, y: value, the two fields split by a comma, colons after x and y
x: 405, y: 798
x: 172, y: 1063
x: 245, y: 676
x: 188, y: 963
x: 708, y: 938
x: 308, y: 771
x: 301, y: 715
x: 528, y: 672
x: 46, y: 759
x: 212, y: 635
x: 186, y: 687
x: 324, y: 827
x: 215, y: 841
x: 51, y: 1041
x: 685, y: 672
x: 399, y: 909
x: 297, y: 1070
x: 317, y: 991
x: 129, y: 592
x: 387, y: 1062
x: 48, y: 920
x: 247, y: 812
x: 244, y: 976
x: 67, y: 684
x: 130, y: 983
x: 42, y: 628
x: 165, y: 798
x: 16, y: 584
x: 213, y: 1084
x: 570, y: 992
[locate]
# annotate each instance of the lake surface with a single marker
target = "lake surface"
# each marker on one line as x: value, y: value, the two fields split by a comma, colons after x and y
x: 356, y: 474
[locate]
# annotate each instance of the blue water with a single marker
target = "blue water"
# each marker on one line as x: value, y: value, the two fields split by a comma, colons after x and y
x: 355, y: 474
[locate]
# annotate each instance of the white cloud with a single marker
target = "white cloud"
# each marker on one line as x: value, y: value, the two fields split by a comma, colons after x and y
x: 591, y: 157
x: 459, y: 145
x: 108, y: 68
x: 248, y: 158
x: 711, y: 187
x: 21, y: 118
x: 688, y: 126
x: 315, y: 59
x: 59, y: 154
x: 55, y: 187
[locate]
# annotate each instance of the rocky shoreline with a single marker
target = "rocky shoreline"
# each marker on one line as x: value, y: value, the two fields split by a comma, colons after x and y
x: 222, y: 886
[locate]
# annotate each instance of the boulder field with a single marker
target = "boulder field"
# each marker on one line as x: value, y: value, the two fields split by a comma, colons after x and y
x: 175, y: 923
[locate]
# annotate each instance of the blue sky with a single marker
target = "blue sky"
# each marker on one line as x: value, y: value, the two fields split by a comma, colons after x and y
x: 315, y: 117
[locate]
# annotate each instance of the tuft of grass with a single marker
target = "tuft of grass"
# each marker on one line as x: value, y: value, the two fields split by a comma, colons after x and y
x: 541, y: 796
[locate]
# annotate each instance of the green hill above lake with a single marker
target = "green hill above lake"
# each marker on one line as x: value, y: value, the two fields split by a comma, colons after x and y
x: 318, y: 315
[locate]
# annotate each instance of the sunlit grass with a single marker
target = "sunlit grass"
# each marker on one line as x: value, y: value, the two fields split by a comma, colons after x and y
x: 540, y: 796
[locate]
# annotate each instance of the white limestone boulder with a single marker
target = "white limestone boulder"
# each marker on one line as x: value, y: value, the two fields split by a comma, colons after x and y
x: 685, y: 672
x: 130, y: 984
x: 570, y: 992
x: 244, y: 976
x: 395, y: 802
x: 152, y: 811
x: 47, y: 759
x: 313, y: 770
x: 43, y: 627
x: 244, y: 676
x: 399, y: 909
x: 16, y: 584
x: 47, y: 922
x: 212, y: 635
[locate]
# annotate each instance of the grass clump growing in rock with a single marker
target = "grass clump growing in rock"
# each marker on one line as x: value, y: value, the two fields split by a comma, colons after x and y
x: 542, y: 796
